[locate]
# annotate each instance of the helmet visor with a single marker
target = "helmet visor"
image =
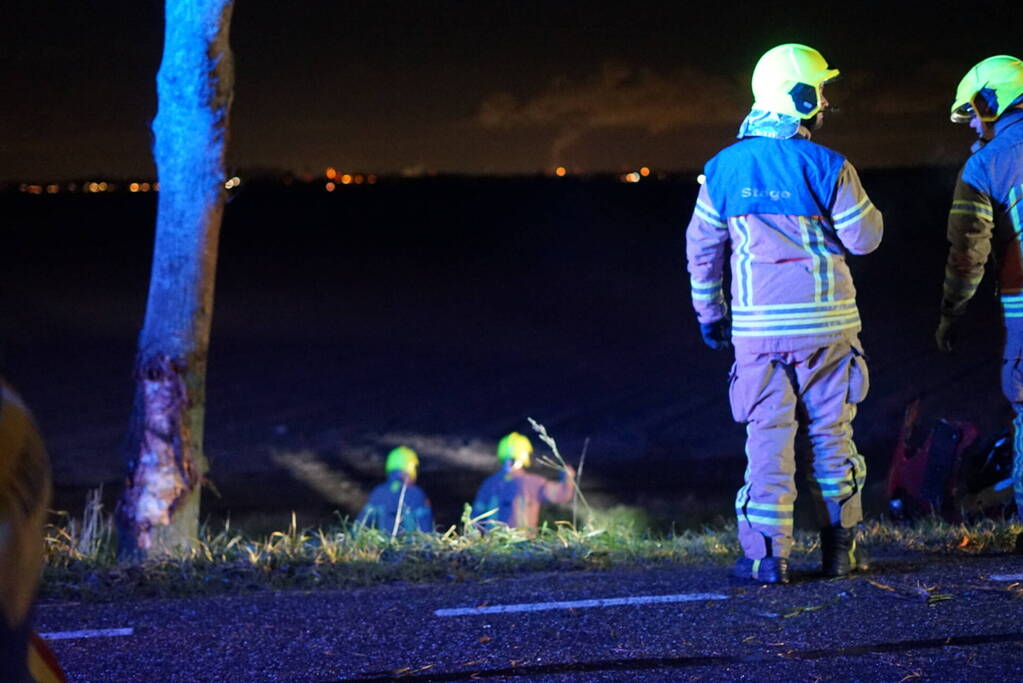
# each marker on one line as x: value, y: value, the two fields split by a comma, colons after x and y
x: 963, y: 113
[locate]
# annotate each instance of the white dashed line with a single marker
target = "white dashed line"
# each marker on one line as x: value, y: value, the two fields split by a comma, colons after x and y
x: 1006, y: 577
x: 94, y: 633
x: 578, y: 604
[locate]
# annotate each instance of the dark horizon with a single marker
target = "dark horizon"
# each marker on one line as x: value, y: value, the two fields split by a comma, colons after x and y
x: 495, y: 89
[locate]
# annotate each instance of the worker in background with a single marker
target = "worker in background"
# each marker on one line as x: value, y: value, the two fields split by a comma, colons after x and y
x: 25, y: 489
x: 398, y: 504
x: 787, y: 211
x: 515, y: 495
x: 987, y: 209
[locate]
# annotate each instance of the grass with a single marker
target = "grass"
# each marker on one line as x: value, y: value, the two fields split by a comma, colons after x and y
x: 81, y: 559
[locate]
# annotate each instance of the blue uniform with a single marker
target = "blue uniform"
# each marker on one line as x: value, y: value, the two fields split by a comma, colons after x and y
x: 381, y: 509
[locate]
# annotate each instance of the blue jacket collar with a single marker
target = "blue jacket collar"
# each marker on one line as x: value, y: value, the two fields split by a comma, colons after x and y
x: 1007, y: 119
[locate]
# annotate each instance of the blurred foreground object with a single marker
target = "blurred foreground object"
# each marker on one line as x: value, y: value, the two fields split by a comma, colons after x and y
x: 25, y: 489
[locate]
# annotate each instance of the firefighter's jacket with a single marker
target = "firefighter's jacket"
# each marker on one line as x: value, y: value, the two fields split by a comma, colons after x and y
x: 515, y: 496
x: 988, y: 208
x: 381, y: 510
x: 791, y: 209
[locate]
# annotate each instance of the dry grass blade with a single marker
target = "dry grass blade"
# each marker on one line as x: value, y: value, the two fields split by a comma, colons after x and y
x: 558, y: 463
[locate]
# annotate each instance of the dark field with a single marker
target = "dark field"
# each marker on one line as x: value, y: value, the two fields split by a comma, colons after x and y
x: 440, y: 313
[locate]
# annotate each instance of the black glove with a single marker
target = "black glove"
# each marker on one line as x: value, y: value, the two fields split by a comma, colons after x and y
x: 947, y: 333
x: 718, y: 334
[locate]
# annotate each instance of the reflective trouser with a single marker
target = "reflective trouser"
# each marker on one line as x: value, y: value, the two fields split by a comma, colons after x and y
x: 773, y: 393
x: 1012, y: 387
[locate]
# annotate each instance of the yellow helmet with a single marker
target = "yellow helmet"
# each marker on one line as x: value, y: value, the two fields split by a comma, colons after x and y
x: 988, y: 89
x: 788, y: 79
x: 403, y: 459
x: 515, y: 447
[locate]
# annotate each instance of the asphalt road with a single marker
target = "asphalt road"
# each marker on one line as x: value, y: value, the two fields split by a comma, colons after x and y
x: 911, y: 618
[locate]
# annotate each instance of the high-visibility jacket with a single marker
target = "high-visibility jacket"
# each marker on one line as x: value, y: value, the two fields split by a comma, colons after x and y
x: 381, y: 509
x: 791, y: 210
x: 987, y: 208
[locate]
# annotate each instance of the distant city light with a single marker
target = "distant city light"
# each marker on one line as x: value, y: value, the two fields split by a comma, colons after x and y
x: 358, y: 179
x: 144, y: 187
x: 371, y: 179
x: 701, y: 179
x: 233, y: 182
x: 330, y: 186
x: 644, y: 171
x: 134, y: 187
x: 331, y: 172
x: 346, y: 179
x: 560, y: 171
x: 632, y: 177
x: 52, y: 189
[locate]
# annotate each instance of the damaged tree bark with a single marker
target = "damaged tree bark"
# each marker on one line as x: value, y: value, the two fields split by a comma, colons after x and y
x: 159, y: 511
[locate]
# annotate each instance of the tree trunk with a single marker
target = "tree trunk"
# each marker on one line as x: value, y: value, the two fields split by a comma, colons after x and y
x: 159, y: 511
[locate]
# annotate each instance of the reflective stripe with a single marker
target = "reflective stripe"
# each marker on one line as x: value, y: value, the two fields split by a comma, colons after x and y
x: 965, y: 207
x: 793, y: 330
x: 769, y: 521
x: 744, y: 262
x: 806, y: 316
x: 777, y: 507
x: 1015, y: 211
x: 841, y: 303
x: 1012, y: 305
x: 765, y: 513
x: 709, y: 215
x: 705, y: 291
x: 810, y: 247
x: 853, y: 215
x: 843, y: 215
x: 794, y: 319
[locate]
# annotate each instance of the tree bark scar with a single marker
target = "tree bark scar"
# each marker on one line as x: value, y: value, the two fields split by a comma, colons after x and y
x: 164, y: 474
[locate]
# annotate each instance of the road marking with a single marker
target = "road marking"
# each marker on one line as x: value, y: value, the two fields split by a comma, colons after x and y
x: 578, y: 604
x: 1006, y: 577
x: 93, y: 633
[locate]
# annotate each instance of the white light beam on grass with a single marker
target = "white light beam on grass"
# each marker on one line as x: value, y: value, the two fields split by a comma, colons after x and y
x: 578, y: 604
x: 93, y: 633
x: 1006, y: 577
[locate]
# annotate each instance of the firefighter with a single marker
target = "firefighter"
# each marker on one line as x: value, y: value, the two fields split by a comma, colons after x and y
x: 398, y: 493
x: 25, y: 489
x: 987, y: 209
x: 788, y: 210
x: 516, y: 495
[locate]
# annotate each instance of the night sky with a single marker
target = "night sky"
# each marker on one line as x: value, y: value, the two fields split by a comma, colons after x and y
x: 487, y: 87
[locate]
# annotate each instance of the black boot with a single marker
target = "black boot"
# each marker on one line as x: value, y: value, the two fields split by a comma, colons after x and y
x: 766, y: 570
x: 839, y: 553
